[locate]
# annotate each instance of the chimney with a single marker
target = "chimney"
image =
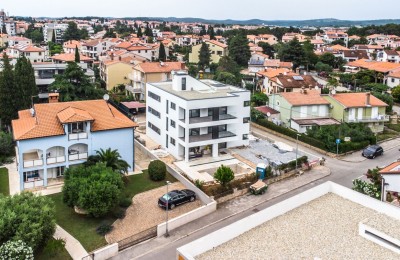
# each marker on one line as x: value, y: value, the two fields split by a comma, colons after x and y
x: 112, y: 55
x: 368, y: 99
x: 119, y: 58
x: 53, y: 97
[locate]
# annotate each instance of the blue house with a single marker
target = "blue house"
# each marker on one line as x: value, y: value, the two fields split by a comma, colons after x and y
x: 52, y: 137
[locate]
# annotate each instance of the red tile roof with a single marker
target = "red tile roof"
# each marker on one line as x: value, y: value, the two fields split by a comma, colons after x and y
x: 358, y: 100
x: 310, y: 97
x: 393, y: 168
x: 157, y: 67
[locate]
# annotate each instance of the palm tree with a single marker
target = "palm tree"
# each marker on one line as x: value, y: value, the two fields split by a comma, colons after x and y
x: 112, y: 159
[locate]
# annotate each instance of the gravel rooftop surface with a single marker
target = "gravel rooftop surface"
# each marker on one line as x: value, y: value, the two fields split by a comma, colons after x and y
x: 385, y: 224
x: 144, y: 213
x: 326, y: 228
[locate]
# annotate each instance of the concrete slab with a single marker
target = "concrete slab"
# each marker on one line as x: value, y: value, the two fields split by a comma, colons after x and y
x: 73, y: 246
x: 13, y: 178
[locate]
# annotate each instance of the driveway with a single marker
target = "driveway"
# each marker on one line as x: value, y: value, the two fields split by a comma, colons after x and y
x: 144, y: 213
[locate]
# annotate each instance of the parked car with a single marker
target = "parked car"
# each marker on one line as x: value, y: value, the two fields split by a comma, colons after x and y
x: 372, y: 151
x: 175, y: 198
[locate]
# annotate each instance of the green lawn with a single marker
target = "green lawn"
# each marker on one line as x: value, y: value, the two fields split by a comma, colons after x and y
x: 47, y: 254
x: 386, y: 135
x: 4, y: 183
x: 394, y: 127
x: 83, y: 228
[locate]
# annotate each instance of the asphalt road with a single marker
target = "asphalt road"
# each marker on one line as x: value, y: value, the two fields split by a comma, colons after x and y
x: 342, y: 172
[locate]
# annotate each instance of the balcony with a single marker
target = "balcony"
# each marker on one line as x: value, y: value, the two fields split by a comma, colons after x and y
x: 78, y: 156
x: 196, y: 120
x: 207, y: 137
x: 33, y: 163
x: 53, y: 160
x: 32, y: 158
x: 78, y: 152
x: 369, y: 119
x: 77, y: 136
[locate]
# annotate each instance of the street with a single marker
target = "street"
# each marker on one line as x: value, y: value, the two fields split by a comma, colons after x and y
x: 343, y: 171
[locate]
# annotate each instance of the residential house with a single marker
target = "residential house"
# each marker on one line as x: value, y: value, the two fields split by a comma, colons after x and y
x: 393, y: 79
x: 151, y: 72
x: 187, y: 40
x: 217, y: 49
x: 256, y: 62
x: 14, y: 40
x: 3, y: 39
x: 383, y: 40
x: 390, y: 179
x: 353, y: 55
x: 276, y: 63
x: 264, y: 77
x: 53, y: 137
x: 192, y: 118
x: 268, y: 38
x: 95, y: 48
x: 287, y: 37
x: 70, y: 57
x: 32, y: 53
x: 57, y: 30
x: 115, y: 72
x: 317, y: 43
x: 381, y: 67
x: 70, y: 46
x: 302, y: 110
x: 331, y: 36
x: 388, y: 56
x: 359, y: 108
x: 292, y: 83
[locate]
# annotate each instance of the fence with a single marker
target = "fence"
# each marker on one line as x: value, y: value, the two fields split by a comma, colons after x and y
x: 137, y: 238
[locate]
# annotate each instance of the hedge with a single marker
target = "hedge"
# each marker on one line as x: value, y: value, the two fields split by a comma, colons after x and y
x: 344, y: 147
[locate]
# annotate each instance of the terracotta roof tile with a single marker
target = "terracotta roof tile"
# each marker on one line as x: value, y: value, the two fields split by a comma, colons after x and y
x: 393, y: 168
x: 66, y: 57
x: 311, y: 97
x: 156, y: 67
x: 379, y: 66
x: 357, y: 100
x: 46, y: 121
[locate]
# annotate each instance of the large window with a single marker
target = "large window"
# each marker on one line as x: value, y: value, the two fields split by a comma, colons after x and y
x: 173, y: 123
x: 223, y: 110
x: 246, y: 120
x: 194, y: 113
x: 154, y: 112
x: 172, y: 141
x: 154, y: 128
x: 194, y: 132
x: 246, y: 103
x: 173, y: 106
x: 78, y: 127
x: 154, y: 96
x: 31, y: 175
x: 183, y: 83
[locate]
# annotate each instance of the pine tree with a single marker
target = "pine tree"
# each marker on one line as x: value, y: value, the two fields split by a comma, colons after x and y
x: 77, y: 56
x: 162, y: 56
x: 204, y: 56
x: 239, y: 49
x: 72, y: 32
x: 25, y: 85
x: 139, y: 32
x: 8, y: 111
x: 53, y: 36
x: 148, y: 32
x: 211, y: 32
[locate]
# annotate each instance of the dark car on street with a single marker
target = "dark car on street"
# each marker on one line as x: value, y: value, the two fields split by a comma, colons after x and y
x: 372, y: 151
x: 175, y: 198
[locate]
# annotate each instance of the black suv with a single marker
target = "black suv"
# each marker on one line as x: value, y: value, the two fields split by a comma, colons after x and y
x: 175, y: 198
x: 372, y: 151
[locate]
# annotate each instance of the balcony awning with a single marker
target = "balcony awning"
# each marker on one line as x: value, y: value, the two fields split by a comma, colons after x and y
x: 133, y: 104
x: 317, y: 121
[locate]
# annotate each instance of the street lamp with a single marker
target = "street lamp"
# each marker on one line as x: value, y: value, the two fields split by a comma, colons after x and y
x: 166, y: 210
x: 297, y: 149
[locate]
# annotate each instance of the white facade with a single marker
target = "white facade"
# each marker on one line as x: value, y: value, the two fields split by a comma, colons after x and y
x: 192, y: 118
x: 392, y: 81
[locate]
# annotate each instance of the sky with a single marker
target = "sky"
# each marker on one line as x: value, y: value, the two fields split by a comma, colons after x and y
x: 209, y: 9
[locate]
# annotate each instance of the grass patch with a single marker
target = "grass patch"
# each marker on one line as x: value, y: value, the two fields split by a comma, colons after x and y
x: 394, y: 127
x: 4, y: 182
x: 84, y: 228
x: 48, y: 254
x: 386, y: 135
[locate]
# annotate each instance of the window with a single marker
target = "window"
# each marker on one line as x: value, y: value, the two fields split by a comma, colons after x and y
x: 154, y: 112
x: 173, y: 123
x: 183, y: 83
x: 78, y: 127
x: 166, y: 125
x: 166, y: 141
x: 154, y: 128
x: 194, y: 113
x: 245, y: 136
x: 194, y: 132
x: 222, y: 128
x: 223, y: 110
x: 246, y: 103
x: 173, y: 106
x: 172, y: 141
x: 28, y: 176
x: 246, y: 120
x: 154, y: 96
x: 392, y: 80
x: 219, y: 52
x: 167, y: 106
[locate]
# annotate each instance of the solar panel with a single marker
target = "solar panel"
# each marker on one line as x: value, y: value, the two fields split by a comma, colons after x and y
x: 298, y: 78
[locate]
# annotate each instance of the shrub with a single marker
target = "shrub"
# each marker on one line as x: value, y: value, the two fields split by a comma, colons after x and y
x: 119, y: 213
x: 95, y: 189
x: 104, y: 229
x: 54, y: 247
x: 16, y: 250
x: 157, y: 170
x: 199, y: 184
x: 27, y: 217
x: 125, y: 202
x: 224, y: 175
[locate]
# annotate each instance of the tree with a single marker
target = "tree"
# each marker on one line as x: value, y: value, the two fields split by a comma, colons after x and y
x: 8, y: 98
x: 74, y: 85
x: 396, y: 93
x: 77, y: 55
x: 239, y: 49
x: 388, y: 99
x: 224, y: 175
x: 204, y: 56
x: 157, y: 170
x: 292, y: 52
x: 6, y: 144
x: 72, y: 32
x: 210, y: 31
x: 227, y: 64
x: 227, y: 78
x: 148, y: 32
x: 27, y: 217
x: 15, y: 250
x: 25, y: 84
x: 310, y: 58
x: 53, y: 36
x: 323, y: 67
x: 259, y: 99
x: 328, y: 58
x: 139, y: 32
x: 95, y: 189
x: 333, y: 82
x: 110, y: 34
x: 112, y: 159
x: 162, y: 55
x: 267, y: 49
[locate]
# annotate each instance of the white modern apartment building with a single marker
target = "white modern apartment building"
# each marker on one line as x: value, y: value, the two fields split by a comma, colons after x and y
x: 58, y: 29
x: 192, y: 118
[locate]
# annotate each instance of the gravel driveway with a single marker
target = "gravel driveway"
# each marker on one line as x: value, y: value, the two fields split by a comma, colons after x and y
x: 144, y: 213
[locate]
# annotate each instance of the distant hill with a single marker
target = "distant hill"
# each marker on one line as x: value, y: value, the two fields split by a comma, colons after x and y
x: 295, y: 23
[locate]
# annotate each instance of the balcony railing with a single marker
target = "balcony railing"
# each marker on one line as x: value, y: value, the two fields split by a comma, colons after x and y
x: 53, y: 160
x: 78, y: 156
x: 368, y: 119
x: 30, y: 184
x: 78, y: 136
x: 207, y: 137
x: 196, y: 120
x: 33, y: 163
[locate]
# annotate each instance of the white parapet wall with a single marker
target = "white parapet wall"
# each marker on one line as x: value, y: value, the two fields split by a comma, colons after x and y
x: 379, y: 237
x: 106, y: 252
x: 186, y: 218
x: 208, y: 242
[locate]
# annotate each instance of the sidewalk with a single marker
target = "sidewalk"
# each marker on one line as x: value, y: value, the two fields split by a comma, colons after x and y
x: 225, y: 211
x: 74, y: 248
x: 13, y: 178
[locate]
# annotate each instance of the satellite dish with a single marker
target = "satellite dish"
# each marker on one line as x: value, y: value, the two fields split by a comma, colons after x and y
x: 32, y: 111
x: 268, y: 114
x: 106, y: 97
